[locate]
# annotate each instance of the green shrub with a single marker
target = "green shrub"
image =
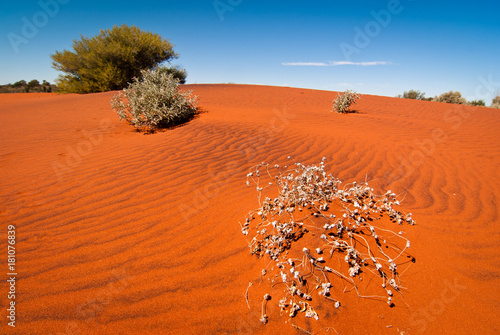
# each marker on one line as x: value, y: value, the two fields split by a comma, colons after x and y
x: 178, y: 72
x: 154, y: 101
x: 110, y: 60
x: 412, y: 94
x: 34, y: 83
x: 20, y: 83
x: 476, y: 103
x: 344, y: 100
x: 451, y: 98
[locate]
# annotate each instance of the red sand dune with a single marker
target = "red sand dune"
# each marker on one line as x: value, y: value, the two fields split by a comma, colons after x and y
x: 124, y: 233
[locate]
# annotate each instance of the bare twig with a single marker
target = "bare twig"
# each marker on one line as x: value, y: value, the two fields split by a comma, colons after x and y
x: 246, y: 294
x: 301, y: 329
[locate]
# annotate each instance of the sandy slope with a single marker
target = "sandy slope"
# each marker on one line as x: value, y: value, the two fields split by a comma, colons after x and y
x: 124, y: 233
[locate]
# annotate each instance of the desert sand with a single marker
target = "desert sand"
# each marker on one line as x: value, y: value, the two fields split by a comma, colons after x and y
x: 124, y: 233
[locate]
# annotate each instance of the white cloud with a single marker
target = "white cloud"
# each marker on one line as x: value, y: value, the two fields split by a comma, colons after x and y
x: 305, y: 64
x: 361, y: 63
x: 337, y: 63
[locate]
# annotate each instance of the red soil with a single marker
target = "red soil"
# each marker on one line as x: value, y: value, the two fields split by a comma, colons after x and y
x: 126, y: 233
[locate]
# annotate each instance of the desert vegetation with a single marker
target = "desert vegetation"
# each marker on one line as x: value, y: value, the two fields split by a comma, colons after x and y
x: 479, y: 102
x: 110, y: 60
x: 414, y: 94
x: 318, y: 237
x: 154, y: 101
x: 34, y: 85
x: 176, y: 71
x: 496, y: 102
x: 451, y: 97
x: 345, y: 100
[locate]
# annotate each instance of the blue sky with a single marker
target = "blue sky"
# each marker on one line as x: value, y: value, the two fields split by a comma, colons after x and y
x: 374, y: 47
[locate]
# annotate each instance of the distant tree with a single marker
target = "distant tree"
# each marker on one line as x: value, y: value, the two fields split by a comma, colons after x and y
x: 110, y: 60
x: 496, y: 102
x: 31, y: 86
x: 34, y: 83
x: 19, y: 83
x: 176, y: 71
x: 451, y: 98
x: 476, y: 103
x: 412, y: 94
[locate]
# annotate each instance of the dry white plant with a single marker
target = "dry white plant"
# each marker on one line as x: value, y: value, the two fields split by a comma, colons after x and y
x: 344, y: 100
x: 320, y: 236
x: 154, y: 101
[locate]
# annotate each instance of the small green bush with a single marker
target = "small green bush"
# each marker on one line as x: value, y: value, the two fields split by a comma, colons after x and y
x: 412, y: 94
x: 344, y: 100
x: 154, y: 101
x: 476, y: 103
x: 176, y: 71
x: 451, y: 98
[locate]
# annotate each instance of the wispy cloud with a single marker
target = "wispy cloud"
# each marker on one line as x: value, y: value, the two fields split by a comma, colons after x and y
x: 360, y: 63
x: 337, y: 63
x: 305, y: 64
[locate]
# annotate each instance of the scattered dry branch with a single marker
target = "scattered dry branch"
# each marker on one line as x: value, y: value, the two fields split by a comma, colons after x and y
x: 319, y: 234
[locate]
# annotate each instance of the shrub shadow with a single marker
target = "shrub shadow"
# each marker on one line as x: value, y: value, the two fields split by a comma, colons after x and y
x: 166, y: 127
x: 349, y: 111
